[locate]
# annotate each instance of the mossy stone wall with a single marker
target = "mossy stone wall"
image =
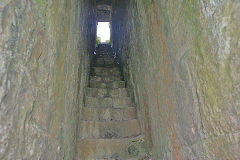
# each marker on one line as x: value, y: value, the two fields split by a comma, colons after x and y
x: 44, y: 61
x: 181, y: 58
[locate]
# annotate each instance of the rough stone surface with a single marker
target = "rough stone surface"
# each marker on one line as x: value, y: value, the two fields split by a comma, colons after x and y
x: 181, y: 58
x: 44, y: 46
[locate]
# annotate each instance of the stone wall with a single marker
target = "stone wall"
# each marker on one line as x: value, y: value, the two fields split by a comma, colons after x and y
x: 181, y: 58
x: 44, y: 48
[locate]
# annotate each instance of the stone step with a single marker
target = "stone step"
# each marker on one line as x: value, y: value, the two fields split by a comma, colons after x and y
x: 106, y: 61
x: 102, y: 92
x: 106, y: 69
x: 108, y: 114
x: 106, y: 65
x: 105, y: 78
x: 109, y: 129
x: 112, y: 149
x: 111, y: 74
x: 113, y: 84
x: 114, y: 102
x: 101, y: 55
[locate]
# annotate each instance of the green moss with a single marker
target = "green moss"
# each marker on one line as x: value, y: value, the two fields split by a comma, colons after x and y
x: 228, y: 70
x: 98, y: 40
x: 147, y: 3
x: 41, y: 6
x: 64, y: 157
x: 191, y: 15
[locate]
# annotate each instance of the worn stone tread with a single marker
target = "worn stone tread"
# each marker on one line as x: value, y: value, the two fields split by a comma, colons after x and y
x: 112, y: 84
x: 108, y: 114
x: 111, y: 74
x: 108, y: 102
x: 105, y: 61
x: 107, y: 65
x: 106, y: 69
x: 109, y: 129
x: 105, y: 78
x: 109, y: 92
x: 115, y: 149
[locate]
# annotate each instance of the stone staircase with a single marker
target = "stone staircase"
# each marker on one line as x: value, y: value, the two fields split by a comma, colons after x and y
x: 109, y: 128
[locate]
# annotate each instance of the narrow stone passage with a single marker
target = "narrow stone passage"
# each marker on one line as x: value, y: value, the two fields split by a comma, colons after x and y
x: 168, y: 88
x: 109, y: 128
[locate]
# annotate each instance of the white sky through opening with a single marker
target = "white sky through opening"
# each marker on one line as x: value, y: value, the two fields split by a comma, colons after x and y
x: 103, y: 31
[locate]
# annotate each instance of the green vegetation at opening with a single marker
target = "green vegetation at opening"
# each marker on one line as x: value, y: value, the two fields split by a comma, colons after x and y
x: 108, y: 41
x: 98, y: 40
